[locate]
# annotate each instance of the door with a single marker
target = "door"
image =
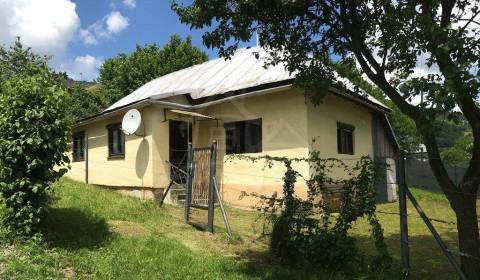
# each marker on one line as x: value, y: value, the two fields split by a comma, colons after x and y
x: 180, y: 136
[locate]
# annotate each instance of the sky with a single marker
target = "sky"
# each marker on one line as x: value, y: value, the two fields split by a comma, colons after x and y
x: 81, y: 34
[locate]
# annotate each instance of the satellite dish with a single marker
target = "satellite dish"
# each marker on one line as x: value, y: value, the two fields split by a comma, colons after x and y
x: 131, y: 121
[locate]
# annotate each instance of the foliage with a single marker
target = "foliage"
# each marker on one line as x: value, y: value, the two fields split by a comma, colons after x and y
x: 17, y: 60
x: 460, y: 153
x: 121, y: 75
x: 304, y: 231
x: 387, y: 40
x: 449, y: 131
x: 34, y: 135
x: 86, y: 101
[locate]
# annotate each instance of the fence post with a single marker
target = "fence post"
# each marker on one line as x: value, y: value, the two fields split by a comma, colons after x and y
x: 188, y: 191
x: 211, y: 189
x: 402, y: 199
x: 437, y: 237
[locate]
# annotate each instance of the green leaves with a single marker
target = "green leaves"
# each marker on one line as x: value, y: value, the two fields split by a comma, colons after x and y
x: 34, y: 135
x: 304, y: 231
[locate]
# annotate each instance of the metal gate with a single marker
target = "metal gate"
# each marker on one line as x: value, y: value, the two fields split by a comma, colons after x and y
x: 201, y: 187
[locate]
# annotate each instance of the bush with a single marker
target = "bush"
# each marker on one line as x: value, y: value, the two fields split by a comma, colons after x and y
x: 34, y: 134
x: 304, y: 231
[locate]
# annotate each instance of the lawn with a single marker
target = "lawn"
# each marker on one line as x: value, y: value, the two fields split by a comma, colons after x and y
x: 94, y: 233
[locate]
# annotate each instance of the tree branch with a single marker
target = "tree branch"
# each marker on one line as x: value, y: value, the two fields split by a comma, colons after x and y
x: 465, y: 101
x: 469, y: 21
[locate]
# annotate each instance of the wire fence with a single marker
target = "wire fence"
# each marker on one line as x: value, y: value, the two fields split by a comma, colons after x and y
x: 418, y: 173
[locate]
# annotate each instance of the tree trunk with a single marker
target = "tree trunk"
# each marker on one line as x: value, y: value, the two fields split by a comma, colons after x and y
x: 463, y: 201
x: 468, y: 238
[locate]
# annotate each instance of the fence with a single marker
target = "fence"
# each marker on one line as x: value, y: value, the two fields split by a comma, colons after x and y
x: 415, y: 170
x: 419, y: 173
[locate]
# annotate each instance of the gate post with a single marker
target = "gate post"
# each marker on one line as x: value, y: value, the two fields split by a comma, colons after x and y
x: 402, y: 199
x: 211, y: 188
x: 188, y: 191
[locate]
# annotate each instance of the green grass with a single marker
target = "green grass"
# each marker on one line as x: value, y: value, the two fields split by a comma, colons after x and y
x: 94, y: 233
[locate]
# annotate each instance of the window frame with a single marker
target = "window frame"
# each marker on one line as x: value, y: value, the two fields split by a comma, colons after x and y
x: 80, y: 135
x: 236, y: 132
x: 341, y: 128
x: 111, y: 128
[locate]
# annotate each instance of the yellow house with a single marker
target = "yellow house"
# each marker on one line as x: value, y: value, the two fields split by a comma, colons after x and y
x: 247, y: 109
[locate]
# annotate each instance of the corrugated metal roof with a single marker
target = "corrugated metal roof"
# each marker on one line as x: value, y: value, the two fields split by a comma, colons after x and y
x: 217, y: 76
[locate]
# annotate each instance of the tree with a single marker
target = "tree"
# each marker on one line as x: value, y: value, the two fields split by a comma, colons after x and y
x: 16, y: 60
x: 34, y: 136
x: 85, y: 101
x: 450, y: 130
x: 460, y: 152
x: 386, y: 39
x: 121, y: 75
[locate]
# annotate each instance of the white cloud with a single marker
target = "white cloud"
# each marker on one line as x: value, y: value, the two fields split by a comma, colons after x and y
x: 47, y: 26
x: 110, y: 25
x: 130, y: 3
x: 82, y: 67
x: 116, y: 22
x: 87, y: 37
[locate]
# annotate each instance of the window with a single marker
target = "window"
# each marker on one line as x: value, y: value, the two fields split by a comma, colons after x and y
x: 345, y: 138
x: 116, y: 141
x: 78, y: 144
x: 244, y: 137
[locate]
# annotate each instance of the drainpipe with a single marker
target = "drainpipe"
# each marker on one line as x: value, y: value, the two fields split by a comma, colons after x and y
x: 86, y: 158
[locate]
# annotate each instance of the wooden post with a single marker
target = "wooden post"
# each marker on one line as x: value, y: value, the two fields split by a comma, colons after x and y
x: 188, y: 191
x: 211, y: 189
x: 402, y: 199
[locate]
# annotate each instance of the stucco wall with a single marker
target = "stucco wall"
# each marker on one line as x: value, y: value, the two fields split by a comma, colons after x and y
x: 322, y: 128
x: 133, y: 170
x: 284, y: 133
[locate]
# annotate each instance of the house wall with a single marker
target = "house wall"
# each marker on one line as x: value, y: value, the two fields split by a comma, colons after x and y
x: 289, y: 124
x: 135, y: 169
x: 322, y: 129
x: 284, y: 133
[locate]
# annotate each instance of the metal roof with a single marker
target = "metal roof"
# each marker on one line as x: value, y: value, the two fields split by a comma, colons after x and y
x: 218, y: 76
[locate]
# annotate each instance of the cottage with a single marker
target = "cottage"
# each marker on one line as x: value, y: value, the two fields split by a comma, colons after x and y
x: 247, y: 109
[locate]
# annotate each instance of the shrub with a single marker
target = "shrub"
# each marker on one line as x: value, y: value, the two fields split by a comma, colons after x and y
x: 34, y: 133
x: 304, y: 231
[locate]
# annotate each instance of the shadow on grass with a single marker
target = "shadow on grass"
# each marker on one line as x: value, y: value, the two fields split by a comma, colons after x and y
x: 70, y: 228
x: 265, y: 266
x: 426, y: 258
x: 426, y: 262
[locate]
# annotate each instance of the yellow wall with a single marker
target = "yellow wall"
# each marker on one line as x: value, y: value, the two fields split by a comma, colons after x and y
x: 284, y: 133
x: 322, y: 128
x: 133, y: 170
x: 288, y: 126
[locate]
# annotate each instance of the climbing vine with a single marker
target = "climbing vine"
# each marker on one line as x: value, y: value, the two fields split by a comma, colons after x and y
x: 306, y: 230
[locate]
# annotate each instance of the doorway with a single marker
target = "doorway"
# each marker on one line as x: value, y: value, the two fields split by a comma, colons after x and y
x: 179, y: 137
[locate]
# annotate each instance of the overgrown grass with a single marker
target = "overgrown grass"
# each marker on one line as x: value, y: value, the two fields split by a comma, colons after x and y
x: 93, y: 233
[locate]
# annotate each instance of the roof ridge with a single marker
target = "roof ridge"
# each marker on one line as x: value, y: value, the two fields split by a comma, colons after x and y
x: 199, y: 64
